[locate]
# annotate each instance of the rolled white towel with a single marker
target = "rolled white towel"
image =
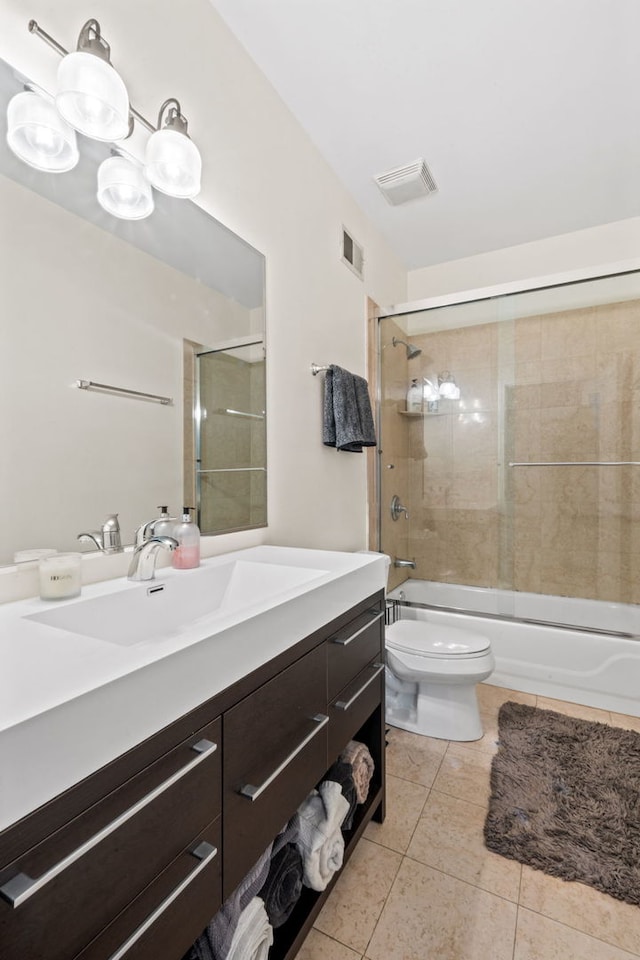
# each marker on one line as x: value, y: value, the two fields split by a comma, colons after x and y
x: 320, y: 840
x: 253, y: 935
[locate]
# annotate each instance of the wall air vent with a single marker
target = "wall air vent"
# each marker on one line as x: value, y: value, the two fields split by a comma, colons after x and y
x: 352, y: 253
x: 407, y: 183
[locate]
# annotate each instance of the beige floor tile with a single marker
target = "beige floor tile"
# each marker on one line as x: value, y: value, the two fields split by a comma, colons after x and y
x: 431, y: 915
x: 413, y: 757
x: 491, y: 698
x: 318, y: 946
x: 574, y: 710
x: 405, y: 801
x: 450, y: 837
x: 464, y: 773
x: 538, y: 938
x: 351, y: 912
x: 628, y: 723
x: 583, y: 908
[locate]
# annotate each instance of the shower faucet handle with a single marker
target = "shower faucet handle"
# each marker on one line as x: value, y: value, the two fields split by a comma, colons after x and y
x: 397, y: 509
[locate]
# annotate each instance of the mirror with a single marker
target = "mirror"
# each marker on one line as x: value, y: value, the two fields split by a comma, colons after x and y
x: 88, y: 297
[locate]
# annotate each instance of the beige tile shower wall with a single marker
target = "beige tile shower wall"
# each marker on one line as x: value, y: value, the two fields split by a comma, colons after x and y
x: 568, y: 385
x: 575, y: 529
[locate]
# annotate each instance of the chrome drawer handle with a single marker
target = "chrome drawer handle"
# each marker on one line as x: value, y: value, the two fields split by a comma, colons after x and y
x: 252, y: 793
x: 205, y: 853
x: 19, y: 888
x: 345, y: 643
x: 345, y: 704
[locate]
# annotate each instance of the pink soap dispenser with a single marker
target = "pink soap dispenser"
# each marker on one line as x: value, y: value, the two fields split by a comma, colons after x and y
x: 187, y: 553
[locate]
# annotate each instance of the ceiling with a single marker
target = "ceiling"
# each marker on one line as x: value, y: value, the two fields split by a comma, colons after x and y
x: 526, y: 111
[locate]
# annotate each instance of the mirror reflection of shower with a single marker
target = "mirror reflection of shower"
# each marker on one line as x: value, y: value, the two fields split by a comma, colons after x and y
x: 412, y: 350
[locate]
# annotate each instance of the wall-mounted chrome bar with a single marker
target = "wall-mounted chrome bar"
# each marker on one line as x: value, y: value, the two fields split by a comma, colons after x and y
x: 122, y: 391
x: 317, y: 368
x: 234, y: 470
x: 240, y: 413
x: 509, y: 618
x: 577, y: 463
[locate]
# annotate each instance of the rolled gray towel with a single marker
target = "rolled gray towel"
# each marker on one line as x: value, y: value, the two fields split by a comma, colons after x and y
x: 283, y: 887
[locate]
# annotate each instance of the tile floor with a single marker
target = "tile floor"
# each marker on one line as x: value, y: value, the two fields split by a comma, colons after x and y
x: 422, y: 886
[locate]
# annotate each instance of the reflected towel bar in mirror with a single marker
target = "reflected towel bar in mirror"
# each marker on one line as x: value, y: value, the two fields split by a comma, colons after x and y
x: 577, y: 463
x: 122, y: 391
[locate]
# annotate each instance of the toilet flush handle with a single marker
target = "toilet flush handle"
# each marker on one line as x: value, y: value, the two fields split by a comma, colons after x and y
x: 397, y: 509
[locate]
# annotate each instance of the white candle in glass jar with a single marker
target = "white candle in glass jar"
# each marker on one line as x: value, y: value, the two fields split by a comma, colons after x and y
x: 60, y: 577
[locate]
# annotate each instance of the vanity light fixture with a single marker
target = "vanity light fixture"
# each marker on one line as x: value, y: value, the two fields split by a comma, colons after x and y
x: 172, y: 160
x: 91, y: 94
x: 123, y: 190
x: 38, y: 135
x: 93, y: 99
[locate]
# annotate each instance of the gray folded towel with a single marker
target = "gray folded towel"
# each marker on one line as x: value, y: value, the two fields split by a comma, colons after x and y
x: 215, y: 942
x: 347, y: 417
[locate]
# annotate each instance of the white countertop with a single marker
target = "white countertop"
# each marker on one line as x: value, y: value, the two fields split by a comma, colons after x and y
x: 70, y: 703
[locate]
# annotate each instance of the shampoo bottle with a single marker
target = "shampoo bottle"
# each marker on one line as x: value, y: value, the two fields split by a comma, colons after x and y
x: 187, y: 553
x: 164, y: 525
x: 414, y: 398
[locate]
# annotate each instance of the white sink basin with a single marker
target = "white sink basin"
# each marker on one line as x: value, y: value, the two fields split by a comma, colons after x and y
x: 175, y: 604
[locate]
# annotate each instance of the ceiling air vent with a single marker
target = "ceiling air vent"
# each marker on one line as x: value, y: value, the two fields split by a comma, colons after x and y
x: 352, y: 253
x: 407, y: 183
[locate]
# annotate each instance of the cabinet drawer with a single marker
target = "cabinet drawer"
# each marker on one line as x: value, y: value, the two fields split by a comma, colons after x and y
x: 65, y: 890
x: 275, y: 750
x: 354, y: 646
x: 163, y: 922
x: 349, y: 710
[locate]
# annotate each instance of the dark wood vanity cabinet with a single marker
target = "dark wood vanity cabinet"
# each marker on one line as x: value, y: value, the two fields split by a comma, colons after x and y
x: 132, y: 863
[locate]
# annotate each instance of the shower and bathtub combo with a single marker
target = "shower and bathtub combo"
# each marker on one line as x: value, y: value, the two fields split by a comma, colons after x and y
x: 518, y: 507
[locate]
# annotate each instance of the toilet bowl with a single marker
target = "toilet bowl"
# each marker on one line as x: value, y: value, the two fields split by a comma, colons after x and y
x: 431, y: 678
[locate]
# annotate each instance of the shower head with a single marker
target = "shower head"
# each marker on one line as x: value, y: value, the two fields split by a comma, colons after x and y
x: 412, y: 350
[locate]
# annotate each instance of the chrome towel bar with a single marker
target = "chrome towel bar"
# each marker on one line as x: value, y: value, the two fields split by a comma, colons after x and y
x: 122, y: 391
x: 576, y: 463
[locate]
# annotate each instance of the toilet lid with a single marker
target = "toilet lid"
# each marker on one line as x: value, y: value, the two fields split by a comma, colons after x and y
x: 428, y: 639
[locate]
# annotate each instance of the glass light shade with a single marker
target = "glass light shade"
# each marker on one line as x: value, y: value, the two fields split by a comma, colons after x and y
x: 92, y: 97
x: 172, y: 164
x: 39, y: 136
x: 123, y: 190
x: 448, y: 388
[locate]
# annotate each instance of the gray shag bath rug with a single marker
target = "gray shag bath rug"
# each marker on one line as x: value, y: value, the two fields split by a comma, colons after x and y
x: 565, y: 798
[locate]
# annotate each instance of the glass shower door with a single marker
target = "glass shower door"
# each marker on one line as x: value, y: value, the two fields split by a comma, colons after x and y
x: 230, y: 434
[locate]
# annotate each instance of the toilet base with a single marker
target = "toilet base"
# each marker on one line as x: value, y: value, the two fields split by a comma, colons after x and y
x: 447, y: 712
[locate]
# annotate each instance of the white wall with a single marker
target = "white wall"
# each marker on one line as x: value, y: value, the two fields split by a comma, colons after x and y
x: 265, y: 180
x: 597, y: 247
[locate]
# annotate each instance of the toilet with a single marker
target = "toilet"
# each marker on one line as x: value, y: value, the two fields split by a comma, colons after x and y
x: 431, y: 677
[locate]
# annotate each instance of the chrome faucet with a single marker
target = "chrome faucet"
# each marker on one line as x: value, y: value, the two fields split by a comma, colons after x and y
x: 143, y: 561
x: 146, y: 530
x: 397, y: 562
x: 107, y: 538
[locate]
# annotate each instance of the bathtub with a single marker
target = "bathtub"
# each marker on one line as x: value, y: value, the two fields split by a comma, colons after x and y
x: 584, y: 651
